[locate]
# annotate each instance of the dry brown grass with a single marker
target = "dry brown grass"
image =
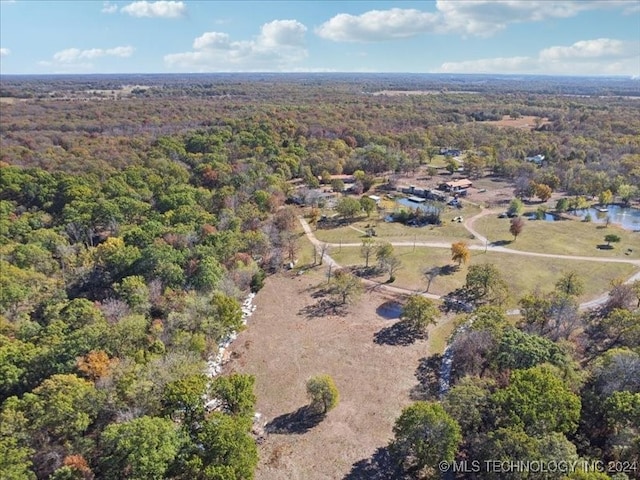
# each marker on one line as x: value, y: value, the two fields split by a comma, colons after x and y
x: 526, y: 121
x: 283, y: 347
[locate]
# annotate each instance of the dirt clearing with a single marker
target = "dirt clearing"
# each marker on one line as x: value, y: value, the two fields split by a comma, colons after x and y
x: 285, y: 344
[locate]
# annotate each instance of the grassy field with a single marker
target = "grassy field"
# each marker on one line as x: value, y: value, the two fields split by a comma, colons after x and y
x: 522, y: 273
x: 286, y: 344
x: 566, y: 237
x: 395, y: 232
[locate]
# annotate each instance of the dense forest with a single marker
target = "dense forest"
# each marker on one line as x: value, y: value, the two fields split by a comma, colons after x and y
x: 138, y: 212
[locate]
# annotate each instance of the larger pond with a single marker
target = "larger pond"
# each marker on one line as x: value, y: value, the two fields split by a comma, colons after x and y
x: 626, y: 217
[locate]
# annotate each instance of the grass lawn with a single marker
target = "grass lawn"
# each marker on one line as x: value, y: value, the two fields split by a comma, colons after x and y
x: 523, y: 274
x: 566, y: 237
x: 396, y: 232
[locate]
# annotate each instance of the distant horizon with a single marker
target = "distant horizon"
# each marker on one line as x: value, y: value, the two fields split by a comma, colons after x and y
x: 496, y: 37
x: 355, y: 73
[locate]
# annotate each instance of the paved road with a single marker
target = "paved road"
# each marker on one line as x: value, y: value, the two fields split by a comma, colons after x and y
x: 488, y: 247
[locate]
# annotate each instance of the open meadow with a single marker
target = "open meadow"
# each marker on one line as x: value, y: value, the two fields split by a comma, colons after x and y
x: 287, y: 342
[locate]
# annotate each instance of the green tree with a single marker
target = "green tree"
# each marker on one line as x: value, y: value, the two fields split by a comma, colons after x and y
x: 539, y: 402
x: 15, y: 462
x: 135, y: 292
x: 226, y: 311
x: 605, y: 197
x: 512, y: 444
x: 348, y: 208
x: 468, y: 404
x: 346, y: 286
x: 383, y: 252
x: 425, y: 435
x: 486, y: 285
x: 562, y: 205
x: 223, y: 450
x: 391, y: 265
x: 520, y: 350
x: 367, y: 249
x: 474, y: 165
x: 368, y: 205
x: 516, y: 208
x: 626, y: 192
x: 184, y: 398
x: 419, y: 312
x: 452, y: 165
x: 611, y: 238
x: 62, y: 407
x: 323, y: 393
x: 235, y: 392
x: 116, y: 257
x: 337, y: 185
x: 570, y: 284
x: 140, y: 449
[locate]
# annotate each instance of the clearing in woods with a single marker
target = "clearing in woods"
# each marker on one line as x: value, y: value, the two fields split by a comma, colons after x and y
x: 373, y: 367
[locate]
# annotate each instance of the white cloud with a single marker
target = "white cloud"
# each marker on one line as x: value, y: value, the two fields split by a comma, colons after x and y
x: 282, y: 33
x: 602, y: 56
x: 108, y: 7
x: 467, y: 17
x: 211, y: 40
x: 377, y: 25
x: 4, y: 52
x: 162, y: 8
x: 72, y: 55
x: 279, y: 46
x: 601, y: 47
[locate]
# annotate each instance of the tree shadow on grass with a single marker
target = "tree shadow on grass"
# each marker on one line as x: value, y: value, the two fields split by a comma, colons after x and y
x: 448, y: 269
x: 500, y: 243
x: 380, y: 466
x: 428, y: 376
x: 398, y: 334
x: 301, y: 421
x: 366, y: 272
x: 323, y: 308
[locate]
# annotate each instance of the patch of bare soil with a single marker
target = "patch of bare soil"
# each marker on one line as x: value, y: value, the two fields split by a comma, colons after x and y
x: 526, y: 121
x: 375, y: 373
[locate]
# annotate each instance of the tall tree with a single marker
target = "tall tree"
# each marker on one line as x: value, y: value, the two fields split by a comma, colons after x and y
x: 419, y: 312
x: 142, y: 448
x: 346, y: 286
x: 486, y: 285
x: 516, y: 226
x: 425, y: 435
x: 367, y: 249
x: 515, y: 208
x: 460, y: 252
x: 570, y: 284
x: 323, y: 393
x: 348, y: 208
x: 539, y: 402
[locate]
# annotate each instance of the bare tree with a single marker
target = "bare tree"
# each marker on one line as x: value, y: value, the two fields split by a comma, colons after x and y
x: 367, y: 250
x: 431, y: 275
x: 324, y: 251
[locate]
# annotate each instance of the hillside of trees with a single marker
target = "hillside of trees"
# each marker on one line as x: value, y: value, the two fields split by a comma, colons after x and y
x: 133, y: 226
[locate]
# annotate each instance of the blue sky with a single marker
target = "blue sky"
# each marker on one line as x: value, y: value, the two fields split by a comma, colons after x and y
x: 569, y: 37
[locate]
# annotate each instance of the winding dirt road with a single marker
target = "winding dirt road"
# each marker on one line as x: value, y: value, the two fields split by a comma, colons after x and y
x: 468, y: 224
